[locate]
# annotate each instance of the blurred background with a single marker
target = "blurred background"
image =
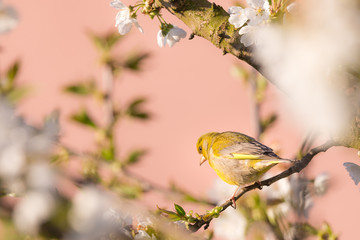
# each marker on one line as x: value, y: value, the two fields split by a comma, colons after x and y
x: 190, y: 89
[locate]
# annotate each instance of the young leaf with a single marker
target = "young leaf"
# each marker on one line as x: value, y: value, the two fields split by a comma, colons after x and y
x: 133, y: 109
x: 135, y: 156
x: 134, y: 61
x: 268, y: 122
x: 107, y: 154
x: 13, y: 70
x: 83, y: 89
x: 179, y: 210
x: 83, y: 118
x: 170, y: 214
x: 105, y: 43
x: 17, y: 94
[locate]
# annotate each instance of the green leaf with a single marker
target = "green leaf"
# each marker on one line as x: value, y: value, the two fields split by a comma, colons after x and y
x: 13, y: 71
x: 17, y: 94
x: 84, y: 118
x: 84, y: 88
x: 179, y: 210
x: 7, y: 84
x: 268, y: 122
x: 134, y: 110
x: 105, y: 43
x: 169, y: 214
x: 135, y: 60
x: 135, y: 156
x: 108, y: 154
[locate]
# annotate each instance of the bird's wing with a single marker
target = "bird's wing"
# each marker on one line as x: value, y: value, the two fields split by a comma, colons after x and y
x: 248, y: 151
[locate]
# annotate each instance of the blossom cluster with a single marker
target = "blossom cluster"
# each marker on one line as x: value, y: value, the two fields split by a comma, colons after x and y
x: 8, y: 18
x: 126, y: 18
x: 25, y: 167
x: 256, y: 14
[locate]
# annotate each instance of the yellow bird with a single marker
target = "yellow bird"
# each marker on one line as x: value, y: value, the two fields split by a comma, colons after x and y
x: 236, y: 158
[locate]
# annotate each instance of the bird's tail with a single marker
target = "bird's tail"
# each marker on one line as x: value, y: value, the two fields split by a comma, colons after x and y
x: 279, y: 160
x: 286, y: 160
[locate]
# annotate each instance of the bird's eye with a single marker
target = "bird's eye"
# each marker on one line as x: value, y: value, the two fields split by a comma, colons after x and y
x: 200, y: 149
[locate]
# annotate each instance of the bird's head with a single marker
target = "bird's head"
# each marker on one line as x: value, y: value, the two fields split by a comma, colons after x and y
x: 203, y: 144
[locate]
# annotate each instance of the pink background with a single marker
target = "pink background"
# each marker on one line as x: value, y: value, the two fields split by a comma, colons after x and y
x: 190, y: 92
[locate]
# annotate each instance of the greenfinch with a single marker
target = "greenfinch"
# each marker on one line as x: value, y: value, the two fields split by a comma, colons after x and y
x: 236, y: 158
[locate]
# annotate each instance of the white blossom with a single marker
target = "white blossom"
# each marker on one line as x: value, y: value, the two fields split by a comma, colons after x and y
x: 40, y: 175
x: 23, y: 149
x: 124, y: 20
x: 300, y: 197
x: 237, y: 16
x: 174, y: 35
x: 8, y: 18
x: 33, y: 210
x: 88, y: 207
x: 258, y: 12
x: 142, y: 235
x: 308, y: 59
x: 278, y: 192
x: 143, y: 221
x: 291, y: 7
x: 248, y: 35
x: 12, y: 160
x: 230, y: 225
x: 321, y: 183
x: 221, y: 191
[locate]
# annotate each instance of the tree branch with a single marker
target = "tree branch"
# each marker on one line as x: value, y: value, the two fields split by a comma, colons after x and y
x: 209, y: 21
x: 297, y: 167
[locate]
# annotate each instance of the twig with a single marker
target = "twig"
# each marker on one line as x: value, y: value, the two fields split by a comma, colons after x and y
x: 297, y: 167
x: 257, y: 120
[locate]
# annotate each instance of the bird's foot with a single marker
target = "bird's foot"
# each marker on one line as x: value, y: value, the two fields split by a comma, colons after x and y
x: 259, y: 185
x: 233, y: 202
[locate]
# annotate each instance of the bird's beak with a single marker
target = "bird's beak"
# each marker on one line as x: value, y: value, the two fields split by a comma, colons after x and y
x: 202, y: 159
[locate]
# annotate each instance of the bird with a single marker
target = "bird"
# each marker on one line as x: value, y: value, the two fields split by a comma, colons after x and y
x: 238, y: 159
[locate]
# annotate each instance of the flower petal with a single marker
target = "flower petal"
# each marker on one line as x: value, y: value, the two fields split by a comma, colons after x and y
x: 171, y: 40
x: 238, y: 20
x: 247, y: 37
x: 235, y: 10
x: 161, y: 41
x: 124, y: 27
x: 245, y: 29
x: 250, y: 13
x: 117, y: 4
x: 177, y: 33
x: 137, y: 25
x: 256, y: 3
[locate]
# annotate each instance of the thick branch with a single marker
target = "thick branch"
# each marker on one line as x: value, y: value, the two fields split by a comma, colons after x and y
x: 209, y: 21
x: 297, y: 167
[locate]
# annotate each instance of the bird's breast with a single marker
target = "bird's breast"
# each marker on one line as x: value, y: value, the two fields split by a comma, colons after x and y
x: 237, y: 172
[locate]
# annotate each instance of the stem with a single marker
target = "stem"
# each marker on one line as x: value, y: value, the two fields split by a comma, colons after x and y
x: 108, y: 85
x: 256, y: 107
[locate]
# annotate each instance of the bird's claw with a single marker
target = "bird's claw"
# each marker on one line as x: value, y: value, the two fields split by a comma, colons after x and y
x: 233, y: 202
